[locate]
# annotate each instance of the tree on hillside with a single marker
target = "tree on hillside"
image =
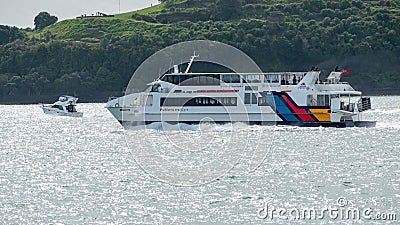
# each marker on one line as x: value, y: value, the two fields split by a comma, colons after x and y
x: 44, y: 19
x: 8, y: 34
x: 33, y: 84
x: 227, y: 9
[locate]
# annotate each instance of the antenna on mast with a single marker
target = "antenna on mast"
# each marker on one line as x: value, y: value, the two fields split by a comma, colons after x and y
x: 191, y: 61
x: 119, y: 6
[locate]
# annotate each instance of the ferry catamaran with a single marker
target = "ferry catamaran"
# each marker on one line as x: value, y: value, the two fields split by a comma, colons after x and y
x: 284, y: 98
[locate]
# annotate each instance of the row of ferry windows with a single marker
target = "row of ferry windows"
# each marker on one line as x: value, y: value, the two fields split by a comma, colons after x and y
x: 251, y: 78
x: 250, y: 98
x: 192, y: 80
x: 199, y: 101
x: 318, y: 100
x: 215, y: 79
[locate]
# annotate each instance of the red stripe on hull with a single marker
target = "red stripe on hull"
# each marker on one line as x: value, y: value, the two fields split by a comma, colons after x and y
x: 215, y: 91
x: 301, y: 113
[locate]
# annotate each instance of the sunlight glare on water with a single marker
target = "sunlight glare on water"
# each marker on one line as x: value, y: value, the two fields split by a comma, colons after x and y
x: 80, y: 170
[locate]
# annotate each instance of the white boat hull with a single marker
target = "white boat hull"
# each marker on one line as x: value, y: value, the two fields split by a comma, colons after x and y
x: 126, y: 117
x: 50, y: 111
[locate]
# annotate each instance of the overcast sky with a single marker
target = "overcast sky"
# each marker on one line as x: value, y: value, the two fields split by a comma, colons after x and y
x: 21, y: 13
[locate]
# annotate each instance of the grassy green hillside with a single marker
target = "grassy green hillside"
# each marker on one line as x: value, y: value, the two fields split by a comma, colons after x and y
x: 94, y: 55
x: 97, y: 28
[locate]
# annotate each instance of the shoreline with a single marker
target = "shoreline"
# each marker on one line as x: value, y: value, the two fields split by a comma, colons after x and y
x: 49, y: 99
x: 103, y: 98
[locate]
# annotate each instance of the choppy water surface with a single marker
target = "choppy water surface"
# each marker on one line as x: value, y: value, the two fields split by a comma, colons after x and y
x: 81, y: 170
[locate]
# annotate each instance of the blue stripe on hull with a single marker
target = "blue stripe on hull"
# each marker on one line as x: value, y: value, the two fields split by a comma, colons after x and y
x: 284, y: 111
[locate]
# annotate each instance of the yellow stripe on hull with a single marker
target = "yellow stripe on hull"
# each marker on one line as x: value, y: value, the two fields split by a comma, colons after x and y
x: 322, y: 115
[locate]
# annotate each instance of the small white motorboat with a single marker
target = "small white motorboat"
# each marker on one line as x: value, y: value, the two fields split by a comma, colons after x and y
x: 65, y: 106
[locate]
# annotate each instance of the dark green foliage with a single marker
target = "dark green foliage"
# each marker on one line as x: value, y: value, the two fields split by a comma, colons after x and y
x: 9, y: 34
x: 94, y: 55
x: 30, y: 84
x: 146, y: 18
x: 227, y: 9
x: 44, y: 19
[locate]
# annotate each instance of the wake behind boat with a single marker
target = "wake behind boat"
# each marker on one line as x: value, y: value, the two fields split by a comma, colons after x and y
x: 285, y: 98
x: 65, y: 106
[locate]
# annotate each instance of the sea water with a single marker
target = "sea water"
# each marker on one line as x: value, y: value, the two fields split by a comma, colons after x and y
x: 90, y: 170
